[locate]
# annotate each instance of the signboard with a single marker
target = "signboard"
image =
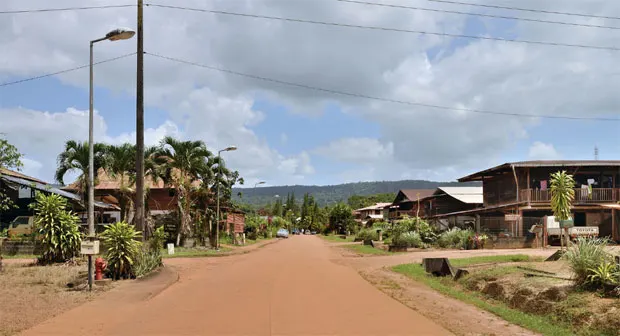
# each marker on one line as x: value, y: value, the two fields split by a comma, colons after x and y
x: 170, y: 248
x: 512, y: 217
x: 89, y: 247
x: 569, y: 223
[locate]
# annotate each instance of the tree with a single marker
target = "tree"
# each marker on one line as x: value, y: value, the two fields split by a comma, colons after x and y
x: 341, y: 219
x: 359, y: 201
x: 277, y: 209
x: 75, y: 159
x: 182, y: 161
x: 120, y: 161
x: 10, y: 158
x: 562, y: 195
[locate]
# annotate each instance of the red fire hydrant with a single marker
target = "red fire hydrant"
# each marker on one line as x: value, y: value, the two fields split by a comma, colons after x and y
x: 100, y: 266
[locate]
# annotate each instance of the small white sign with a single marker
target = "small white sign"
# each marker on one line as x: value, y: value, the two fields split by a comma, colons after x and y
x: 170, y: 248
x: 90, y: 247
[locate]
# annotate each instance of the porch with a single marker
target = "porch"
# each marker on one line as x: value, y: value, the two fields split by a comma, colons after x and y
x: 582, y: 195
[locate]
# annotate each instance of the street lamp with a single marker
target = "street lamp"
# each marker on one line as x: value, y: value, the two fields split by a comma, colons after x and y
x: 219, y: 173
x: 257, y: 183
x: 114, y: 35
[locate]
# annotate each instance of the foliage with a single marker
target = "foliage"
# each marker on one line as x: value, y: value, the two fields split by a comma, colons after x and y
x: 119, y: 162
x: 461, y: 239
x: 341, y: 219
x: 362, y: 201
x: 146, y: 261
x: 57, y: 227
x: 158, y: 239
x: 75, y: 159
x: 412, y: 224
x: 4, y: 233
x: 408, y: 239
x: 562, y: 194
x: 585, y: 255
x: 606, y: 273
x: 367, y: 234
x: 120, y: 239
x: 366, y: 249
x: 10, y: 158
x: 476, y: 241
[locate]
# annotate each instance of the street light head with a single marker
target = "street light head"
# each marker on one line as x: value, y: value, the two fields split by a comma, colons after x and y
x: 120, y: 34
x: 231, y: 148
x: 261, y: 182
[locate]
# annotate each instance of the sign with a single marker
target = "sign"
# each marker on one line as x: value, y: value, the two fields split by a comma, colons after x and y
x: 170, y: 248
x: 90, y: 247
x: 511, y: 217
x: 569, y: 223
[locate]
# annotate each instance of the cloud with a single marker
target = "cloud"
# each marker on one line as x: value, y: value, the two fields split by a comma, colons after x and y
x: 543, y: 151
x: 356, y: 150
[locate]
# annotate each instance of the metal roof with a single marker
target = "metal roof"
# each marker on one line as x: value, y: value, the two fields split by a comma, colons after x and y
x: 541, y: 163
x: 468, y: 195
x: 376, y: 206
x: 50, y: 189
x: 414, y: 194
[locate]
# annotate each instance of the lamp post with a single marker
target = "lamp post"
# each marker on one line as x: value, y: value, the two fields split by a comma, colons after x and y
x: 219, y: 176
x: 257, y: 183
x: 114, y: 35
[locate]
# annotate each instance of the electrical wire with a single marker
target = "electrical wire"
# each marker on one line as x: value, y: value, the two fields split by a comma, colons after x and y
x: 64, y: 71
x: 45, y: 10
x: 479, y: 14
x: 527, y: 9
x: 558, y: 44
x: 402, y: 102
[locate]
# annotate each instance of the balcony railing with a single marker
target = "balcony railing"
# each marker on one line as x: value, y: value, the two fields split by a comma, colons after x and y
x: 596, y: 195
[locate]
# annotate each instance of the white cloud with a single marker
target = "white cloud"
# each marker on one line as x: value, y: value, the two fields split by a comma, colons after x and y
x: 542, y: 151
x: 356, y: 150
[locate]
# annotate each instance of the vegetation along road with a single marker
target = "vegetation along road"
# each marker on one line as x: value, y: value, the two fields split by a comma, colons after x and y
x: 289, y: 288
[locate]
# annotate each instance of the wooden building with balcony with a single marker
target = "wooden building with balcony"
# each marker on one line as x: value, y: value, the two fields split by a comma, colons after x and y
x: 523, y: 189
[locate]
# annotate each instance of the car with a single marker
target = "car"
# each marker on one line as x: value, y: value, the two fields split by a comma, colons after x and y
x: 313, y: 232
x: 307, y: 232
x: 282, y: 233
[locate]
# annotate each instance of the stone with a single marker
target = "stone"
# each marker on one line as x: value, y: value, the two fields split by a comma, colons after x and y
x: 495, y: 290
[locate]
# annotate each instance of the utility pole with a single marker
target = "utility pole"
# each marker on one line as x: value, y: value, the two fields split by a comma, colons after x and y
x: 140, y: 124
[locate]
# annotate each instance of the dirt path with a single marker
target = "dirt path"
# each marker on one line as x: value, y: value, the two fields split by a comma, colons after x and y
x: 454, y: 315
x: 289, y: 288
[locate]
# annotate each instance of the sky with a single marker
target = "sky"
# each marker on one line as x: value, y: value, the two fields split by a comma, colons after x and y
x: 297, y: 135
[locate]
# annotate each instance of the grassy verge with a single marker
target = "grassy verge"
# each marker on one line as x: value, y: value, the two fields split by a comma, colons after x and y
x: 545, y: 325
x: 337, y: 239
x: 365, y: 249
x: 20, y: 256
x: 181, y: 252
x: 493, y: 259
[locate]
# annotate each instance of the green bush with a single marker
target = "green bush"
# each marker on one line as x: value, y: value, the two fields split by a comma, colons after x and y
x: 57, y: 227
x: 367, y: 234
x: 586, y: 256
x: 146, y: 260
x: 413, y: 224
x: 408, y: 239
x: 123, y: 248
x: 157, y: 241
x: 455, y: 238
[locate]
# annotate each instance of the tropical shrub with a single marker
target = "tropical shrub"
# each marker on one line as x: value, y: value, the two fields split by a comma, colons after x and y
x: 146, y: 260
x: 367, y: 234
x: 57, y: 227
x: 456, y: 238
x: 606, y: 273
x: 422, y: 227
x: 408, y: 239
x: 123, y: 248
x: 585, y: 256
x: 158, y: 239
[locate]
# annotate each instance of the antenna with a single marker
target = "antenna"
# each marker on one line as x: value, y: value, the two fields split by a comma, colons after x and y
x: 596, y: 153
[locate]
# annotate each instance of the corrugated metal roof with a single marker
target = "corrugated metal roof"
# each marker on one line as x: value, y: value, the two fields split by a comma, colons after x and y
x: 377, y: 206
x: 468, y: 195
x: 541, y: 163
x: 50, y: 189
x: 8, y: 172
x: 414, y: 194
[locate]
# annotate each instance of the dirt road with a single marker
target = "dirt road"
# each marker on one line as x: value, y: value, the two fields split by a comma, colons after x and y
x: 288, y: 288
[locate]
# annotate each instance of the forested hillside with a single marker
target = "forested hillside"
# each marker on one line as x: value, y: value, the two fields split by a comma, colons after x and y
x: 327, y: 195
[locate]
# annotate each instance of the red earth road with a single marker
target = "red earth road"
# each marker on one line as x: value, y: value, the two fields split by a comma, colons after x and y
x: 288, y: 288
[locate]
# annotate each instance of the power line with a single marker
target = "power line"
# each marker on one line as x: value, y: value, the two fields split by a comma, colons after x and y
x: 527, y: 9
x: 480, y: 14
x: 44, y: 10
x: 64, y: 71
x: 387, y: 29
x: 403, y: 102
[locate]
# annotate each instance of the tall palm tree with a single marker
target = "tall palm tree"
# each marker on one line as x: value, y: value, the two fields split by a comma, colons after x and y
x: 120, y: 161
x: 75, y: 159
x: 183, y: 161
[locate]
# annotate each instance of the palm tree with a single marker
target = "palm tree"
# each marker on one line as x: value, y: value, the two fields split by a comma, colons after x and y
x: 182, y: 162
x: 562, y: 195
x: 120, y: 161
x: 75, y: 159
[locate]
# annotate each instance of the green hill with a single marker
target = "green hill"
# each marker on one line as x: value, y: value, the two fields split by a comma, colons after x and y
x: 327, y: 195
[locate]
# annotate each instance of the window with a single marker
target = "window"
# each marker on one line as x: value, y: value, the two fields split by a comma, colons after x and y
x: 25, y: 192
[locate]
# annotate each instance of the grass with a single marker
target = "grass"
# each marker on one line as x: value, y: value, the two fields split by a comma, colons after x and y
x: 366, y: 249
x: 337, y: 239
x: 20, y: 256
x: 182, y: 252
x: 545, y: 325
x: 493, y: 259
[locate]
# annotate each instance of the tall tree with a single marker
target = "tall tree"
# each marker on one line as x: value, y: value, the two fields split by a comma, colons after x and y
x: 75, y: 159
x: 120, y: 161
x: 10, y: 158
x: 183, y: 162
x: 341, y: 219
x: 277, y: 209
